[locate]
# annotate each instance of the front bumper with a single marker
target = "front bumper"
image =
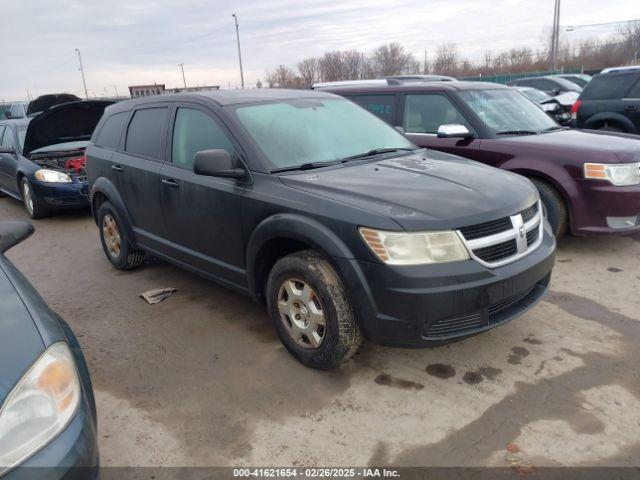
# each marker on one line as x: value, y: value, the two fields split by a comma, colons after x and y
x: 601, y: 208
x: 72, y: 455
x: 61, y: 196
x: 430, y: 305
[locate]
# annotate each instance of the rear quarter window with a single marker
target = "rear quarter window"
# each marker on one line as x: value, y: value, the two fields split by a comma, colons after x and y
x: 145, y: 135
x: 607, y: 87
x: 111, y: 131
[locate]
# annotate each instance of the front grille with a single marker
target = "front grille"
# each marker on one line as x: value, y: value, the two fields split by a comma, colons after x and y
x: 497, y: 252
x: 461, y: 325
x: 486, y: 229
x: 501, y: 241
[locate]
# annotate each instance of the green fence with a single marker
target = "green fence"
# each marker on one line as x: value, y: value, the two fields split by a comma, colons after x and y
x: 507, y: 77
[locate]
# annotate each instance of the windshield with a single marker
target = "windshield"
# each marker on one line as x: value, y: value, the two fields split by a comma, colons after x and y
x: 535, y: 95
x: 508, y: 111
x: 297, y: 132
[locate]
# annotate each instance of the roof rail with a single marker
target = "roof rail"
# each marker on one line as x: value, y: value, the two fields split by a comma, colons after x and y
x: 381, y: 82
x: 621, y: 69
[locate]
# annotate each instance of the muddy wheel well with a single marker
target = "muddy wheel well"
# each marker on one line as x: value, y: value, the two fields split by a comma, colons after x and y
x: 19, y: 178
x: 98, y: 199
x: 268, y: 255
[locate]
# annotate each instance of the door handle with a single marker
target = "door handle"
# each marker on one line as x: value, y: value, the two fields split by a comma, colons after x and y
x: 117, y: 168
x: 169, y: 182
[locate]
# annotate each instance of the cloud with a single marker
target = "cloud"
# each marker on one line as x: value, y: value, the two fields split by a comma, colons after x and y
x: 125, y: 42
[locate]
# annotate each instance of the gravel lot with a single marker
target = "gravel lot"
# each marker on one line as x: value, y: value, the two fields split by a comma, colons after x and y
x: 201, y: 379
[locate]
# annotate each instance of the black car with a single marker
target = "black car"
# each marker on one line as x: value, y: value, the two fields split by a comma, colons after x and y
x: 312, y: 205
x: 47, y: 407
x: 42, y: 157
x: 610, y: 102
x: 551, y: 85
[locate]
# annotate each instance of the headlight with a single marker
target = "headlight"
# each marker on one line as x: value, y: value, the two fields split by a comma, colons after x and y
x: 620, y: 174
x: 52, y: 176
x: 39, y: 407
x: 400, y: 248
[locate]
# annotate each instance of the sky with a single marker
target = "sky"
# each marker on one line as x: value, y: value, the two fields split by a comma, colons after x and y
x: 130, y: 42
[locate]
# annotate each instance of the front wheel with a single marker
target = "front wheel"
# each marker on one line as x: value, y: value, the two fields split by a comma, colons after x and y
x: 32, y: 203
x: 554, y: 206
x: 311, y: 310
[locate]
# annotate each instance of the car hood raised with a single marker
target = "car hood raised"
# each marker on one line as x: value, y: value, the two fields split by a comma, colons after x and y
x: 20, y: 340
x: 585, y: 145
x: 68, y: 122
x: 426, y: 190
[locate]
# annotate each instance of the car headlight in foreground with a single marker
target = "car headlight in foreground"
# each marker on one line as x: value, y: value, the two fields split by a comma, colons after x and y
x: 619, y: 174
x: 52, y: 176
x: 39, y: 407
x: 408, y: 248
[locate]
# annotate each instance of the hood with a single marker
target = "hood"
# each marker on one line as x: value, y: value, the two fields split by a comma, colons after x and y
x: 45, y: 102
x: 426, y: 190
x: 584, y: 145
x: 20, y: 340
x: 69, y: 122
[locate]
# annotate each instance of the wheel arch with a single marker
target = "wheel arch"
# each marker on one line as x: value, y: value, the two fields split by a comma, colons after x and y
x: 609, y: 118
x: 103, y: 190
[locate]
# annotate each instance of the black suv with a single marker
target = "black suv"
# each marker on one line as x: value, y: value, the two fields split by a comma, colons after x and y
x: 610, y: 102
x: 312, y: 205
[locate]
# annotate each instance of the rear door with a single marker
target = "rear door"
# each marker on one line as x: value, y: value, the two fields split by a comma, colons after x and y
x: 8, y: 162
x: 202, y: 214
x: 421, y: 114
x: 631, y: 105
x: 136, y: 171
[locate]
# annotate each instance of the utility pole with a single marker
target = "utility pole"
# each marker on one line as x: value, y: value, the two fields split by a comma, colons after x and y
x: 555, y: 36
x: 184, y: 80
x: 115, y: 87
x: 424, y: 70
x: 235, y: 18
x: 84, y: 82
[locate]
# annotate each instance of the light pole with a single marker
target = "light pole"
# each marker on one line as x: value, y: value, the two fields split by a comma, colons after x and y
x: 555, y: 35
x: 184, y: 80
x: 84, y: 82
x: 235, y: 18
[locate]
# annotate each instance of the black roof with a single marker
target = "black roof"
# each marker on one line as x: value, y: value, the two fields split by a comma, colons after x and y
x: 226, y: 97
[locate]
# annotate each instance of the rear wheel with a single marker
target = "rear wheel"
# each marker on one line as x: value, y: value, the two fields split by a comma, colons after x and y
x: 116, y: 244
x: 555, y: 207
x: 311, y: 310
x: 610, y: 128
x: 34, y: 206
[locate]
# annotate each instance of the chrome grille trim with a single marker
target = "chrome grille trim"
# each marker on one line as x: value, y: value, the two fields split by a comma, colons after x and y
x: 519, y: 232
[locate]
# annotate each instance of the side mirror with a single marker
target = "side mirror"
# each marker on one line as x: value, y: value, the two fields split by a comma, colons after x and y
x: 454, y: 130
x: 216, y: 163
x: 12, y: 233
x: 7, y: 150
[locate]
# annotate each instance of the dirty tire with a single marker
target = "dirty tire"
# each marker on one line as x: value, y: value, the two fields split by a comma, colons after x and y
x: 127, y: 257
x: 555, y: 207
x: 341, y: 336
x: 32, y: 204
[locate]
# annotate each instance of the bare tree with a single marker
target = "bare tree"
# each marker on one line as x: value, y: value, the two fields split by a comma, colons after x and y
x: 447, y: 60
x: 308, y: 70
x: 392, y: 59
x: 283, y: 77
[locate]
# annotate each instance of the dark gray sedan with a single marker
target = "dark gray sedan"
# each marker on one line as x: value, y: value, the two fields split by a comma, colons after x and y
x: 47, y: 407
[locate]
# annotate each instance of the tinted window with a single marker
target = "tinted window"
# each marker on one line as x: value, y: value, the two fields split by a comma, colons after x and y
x: 635, y: 91
x: 604, y: 87
x: 7, y: 138
x: 379, y: 105
x: 425, y: 113
x: 146, y: 130
x: 195, y: 131
x: 111, y: 131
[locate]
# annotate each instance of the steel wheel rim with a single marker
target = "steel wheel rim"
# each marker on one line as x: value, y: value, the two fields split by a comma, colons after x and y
x: 111, y: 235
x: 28, y: 197
x: 301, y: 313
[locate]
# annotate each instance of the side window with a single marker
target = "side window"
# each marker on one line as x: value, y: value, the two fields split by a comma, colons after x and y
x: 145, y: 133
x: 609, y: 86
x: 195, y: 131
x: 7, y: 138
x: 424, y: 113
x: 635, y: 91
x: 111, y: 131
x: 380, y: 105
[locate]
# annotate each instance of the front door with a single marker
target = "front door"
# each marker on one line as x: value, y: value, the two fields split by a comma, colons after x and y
x: 424, y: 113
x: 202, y: 214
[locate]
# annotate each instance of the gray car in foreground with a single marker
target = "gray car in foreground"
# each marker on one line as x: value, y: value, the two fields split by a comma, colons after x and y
x: 47, y: 407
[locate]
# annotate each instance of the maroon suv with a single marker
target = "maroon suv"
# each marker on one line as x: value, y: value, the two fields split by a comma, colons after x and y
x: 589, y: 182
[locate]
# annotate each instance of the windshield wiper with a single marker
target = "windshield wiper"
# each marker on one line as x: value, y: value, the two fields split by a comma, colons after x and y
x: 378, y: 151
x: 305, y: 166
x: 517, y: 132
x: 554, y: 128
